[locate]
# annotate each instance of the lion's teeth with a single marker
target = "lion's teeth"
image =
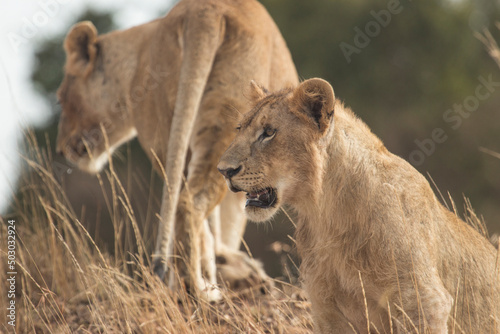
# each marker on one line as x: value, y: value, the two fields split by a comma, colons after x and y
x: 257, y: 195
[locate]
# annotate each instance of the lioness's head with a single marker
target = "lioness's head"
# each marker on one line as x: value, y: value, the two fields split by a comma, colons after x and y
x: 275, y: 157
x: 91, y: 100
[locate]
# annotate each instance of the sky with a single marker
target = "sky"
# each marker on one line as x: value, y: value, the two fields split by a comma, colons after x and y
x: 22, y: 25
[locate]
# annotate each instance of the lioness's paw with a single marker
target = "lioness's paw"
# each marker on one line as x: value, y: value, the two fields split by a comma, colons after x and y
x: 209, y: 292
x: 238, y: 271
x: 202, y: 290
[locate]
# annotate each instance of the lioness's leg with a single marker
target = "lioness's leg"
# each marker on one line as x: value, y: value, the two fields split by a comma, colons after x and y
x: 201, y: 37
x: 195, y: 249
x: 235, y: 268
x: 214, y: 222
x: 233, y: 220
x: 202, y: 192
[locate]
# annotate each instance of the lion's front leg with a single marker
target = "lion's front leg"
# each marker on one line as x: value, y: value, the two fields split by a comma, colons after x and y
x: 423, y: 306
x: 328, y: 318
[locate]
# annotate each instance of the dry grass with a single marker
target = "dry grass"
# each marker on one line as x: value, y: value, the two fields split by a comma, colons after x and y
x: 66, y: 284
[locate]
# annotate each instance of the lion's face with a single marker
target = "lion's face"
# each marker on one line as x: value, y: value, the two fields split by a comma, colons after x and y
x: 271, y: 158
x: 90, y: 104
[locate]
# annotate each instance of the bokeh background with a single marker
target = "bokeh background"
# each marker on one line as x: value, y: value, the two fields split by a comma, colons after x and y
x: 409, y: 69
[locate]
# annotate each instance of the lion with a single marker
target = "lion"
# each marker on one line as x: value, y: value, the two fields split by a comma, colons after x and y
x: 380, y: 253
x: 177, y: 84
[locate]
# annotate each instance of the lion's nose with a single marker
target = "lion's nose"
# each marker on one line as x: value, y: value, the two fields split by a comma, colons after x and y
x: 229, y: 172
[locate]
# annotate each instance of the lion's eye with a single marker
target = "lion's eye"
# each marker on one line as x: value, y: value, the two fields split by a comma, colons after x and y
x: 268, y: 133
x: 238, y: 128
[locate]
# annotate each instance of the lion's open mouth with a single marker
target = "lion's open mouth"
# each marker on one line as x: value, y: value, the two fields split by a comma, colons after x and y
x: 264, y: 198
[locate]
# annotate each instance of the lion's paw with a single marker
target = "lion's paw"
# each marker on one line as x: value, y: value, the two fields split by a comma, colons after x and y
x: 237, y: 271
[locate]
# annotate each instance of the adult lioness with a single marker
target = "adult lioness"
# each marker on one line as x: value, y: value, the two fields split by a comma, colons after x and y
x: 378, y: 249
x: 177, y: 84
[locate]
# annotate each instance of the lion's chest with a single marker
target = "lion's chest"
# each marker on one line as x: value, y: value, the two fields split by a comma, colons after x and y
x: 331, y: 260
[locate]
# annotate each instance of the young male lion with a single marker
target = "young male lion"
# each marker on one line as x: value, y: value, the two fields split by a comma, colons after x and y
x: 177, y: 84
x: 379, y: 253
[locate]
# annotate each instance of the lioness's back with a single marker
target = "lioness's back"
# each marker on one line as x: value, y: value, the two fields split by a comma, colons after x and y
x: 243, y: 55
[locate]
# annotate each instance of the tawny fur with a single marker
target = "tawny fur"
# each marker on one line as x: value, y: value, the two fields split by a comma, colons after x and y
x: 370, y: 229
x: 177, y: 84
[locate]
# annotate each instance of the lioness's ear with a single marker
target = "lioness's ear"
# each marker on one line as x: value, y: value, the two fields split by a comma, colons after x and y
x: 256, y: 92
x: 316, y: 99
x: 81, y: 48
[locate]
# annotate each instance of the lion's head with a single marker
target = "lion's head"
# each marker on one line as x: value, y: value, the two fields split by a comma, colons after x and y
x: 276, y: 156
x: 91, y: 99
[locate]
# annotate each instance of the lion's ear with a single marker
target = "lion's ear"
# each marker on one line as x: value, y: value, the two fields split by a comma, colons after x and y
x: 316, y: 99
x: 81, y: 48
x: 255, y: 92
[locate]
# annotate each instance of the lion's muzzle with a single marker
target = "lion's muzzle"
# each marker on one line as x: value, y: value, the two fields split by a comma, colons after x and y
x: 228, y: 172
